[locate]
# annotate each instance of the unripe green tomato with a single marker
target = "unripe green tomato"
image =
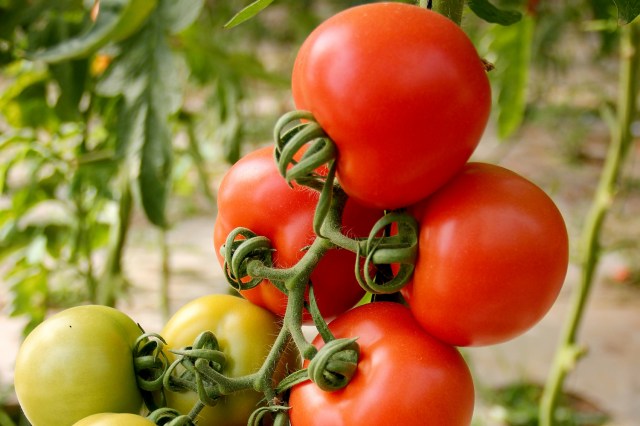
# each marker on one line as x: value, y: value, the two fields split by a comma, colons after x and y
x: 115, y: 419
x: 245, y: 333
x: 77, y: 363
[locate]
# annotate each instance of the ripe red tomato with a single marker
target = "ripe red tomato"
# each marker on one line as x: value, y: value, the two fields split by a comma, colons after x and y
x: 493, y: 255
x: 403, y: 94
x: 404, y: 376
x: 254, y: 195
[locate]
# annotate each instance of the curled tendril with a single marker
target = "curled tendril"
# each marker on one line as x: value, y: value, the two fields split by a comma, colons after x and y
x: 279, y: 413
x: 242, y: 246
x: 290, y: 136
x: 335, y: 364
x: 205, y: 352
x: 150, y: 361
x: 401, y: 249
x: 170, y: 417
x: 150, y: 364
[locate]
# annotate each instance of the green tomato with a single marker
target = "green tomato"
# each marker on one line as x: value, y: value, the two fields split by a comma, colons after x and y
x: 77, y: 363
x: 114, y: 419
x: 245, y: 333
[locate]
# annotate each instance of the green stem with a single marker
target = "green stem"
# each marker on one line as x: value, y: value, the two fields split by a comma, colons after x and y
x: 264, y: 378
x: 166, y: 275
x: 452, y: 9
x: 112, y: 279
x: 568, y: 353
x: 82, y: 245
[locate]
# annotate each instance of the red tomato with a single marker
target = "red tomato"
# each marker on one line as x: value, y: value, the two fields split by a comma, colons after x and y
x: 403, y: 94
x: 404, y: 376
x: 254, y: 195
x: 493, y: 254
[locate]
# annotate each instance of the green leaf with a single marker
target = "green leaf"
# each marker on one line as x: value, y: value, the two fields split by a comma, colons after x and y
x: 248, y: 12
x: 512, y: 46
x: 117, y: 20
x: 149, y: 77
x: 155, y: 168
x: 490, y: 13
x: 628, y: 10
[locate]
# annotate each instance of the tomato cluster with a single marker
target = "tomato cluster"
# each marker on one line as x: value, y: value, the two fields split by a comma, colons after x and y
x: 401, y: 98
x: 404, y: 97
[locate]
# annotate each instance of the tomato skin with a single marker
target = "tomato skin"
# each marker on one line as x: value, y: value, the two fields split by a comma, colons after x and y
x: 403, y: 94
x: 76, y: 363
x: 114, y: 419
x: 493, y: 255
x: 253, y: 195
x: 404, y: 376
x: 245, y: 333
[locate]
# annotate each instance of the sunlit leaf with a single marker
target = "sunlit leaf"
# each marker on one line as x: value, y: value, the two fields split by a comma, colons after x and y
x: 248, y: 12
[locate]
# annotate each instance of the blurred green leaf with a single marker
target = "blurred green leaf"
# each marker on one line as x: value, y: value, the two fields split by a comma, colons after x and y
x: 29, y: 290
x: 512, y: 46
x: 67, y: 74
x: 490, y: 13
x: 150, y: 77
x: 628, y: 10
x: 179, y: 14
x: 248, y: 12
x: 117, y: 20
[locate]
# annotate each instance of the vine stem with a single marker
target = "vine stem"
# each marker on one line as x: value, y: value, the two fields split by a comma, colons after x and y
x: 568, y: 353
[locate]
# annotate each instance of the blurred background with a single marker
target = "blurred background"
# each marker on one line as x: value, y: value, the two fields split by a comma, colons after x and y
x: 112, y: 142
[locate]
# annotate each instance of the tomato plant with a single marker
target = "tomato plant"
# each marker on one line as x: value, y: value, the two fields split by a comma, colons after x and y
x: 77, y: 363
x: 404, y: 376
x: 493, y: 254
x: 245, y: 333
x: 253, y: 195
x: 402, y: 93
x: 114, y: 419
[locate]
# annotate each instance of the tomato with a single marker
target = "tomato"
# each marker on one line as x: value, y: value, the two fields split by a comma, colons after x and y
x: 402, y: 92
x: 77, y: 363
x: 114, y: 419
x: 253, y: 195
x: 404, y: 376
x: 493, y: 255
x: 245, y: 333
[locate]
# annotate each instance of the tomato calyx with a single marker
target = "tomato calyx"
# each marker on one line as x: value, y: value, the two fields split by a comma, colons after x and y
x: 277, y: 411
x: 401, y: 248
x: 292, y: 132
x: 241, y: 247
x: 202, y: 365
x: 150, y: 363
x: 335, y: 364
x: 292, y: 137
